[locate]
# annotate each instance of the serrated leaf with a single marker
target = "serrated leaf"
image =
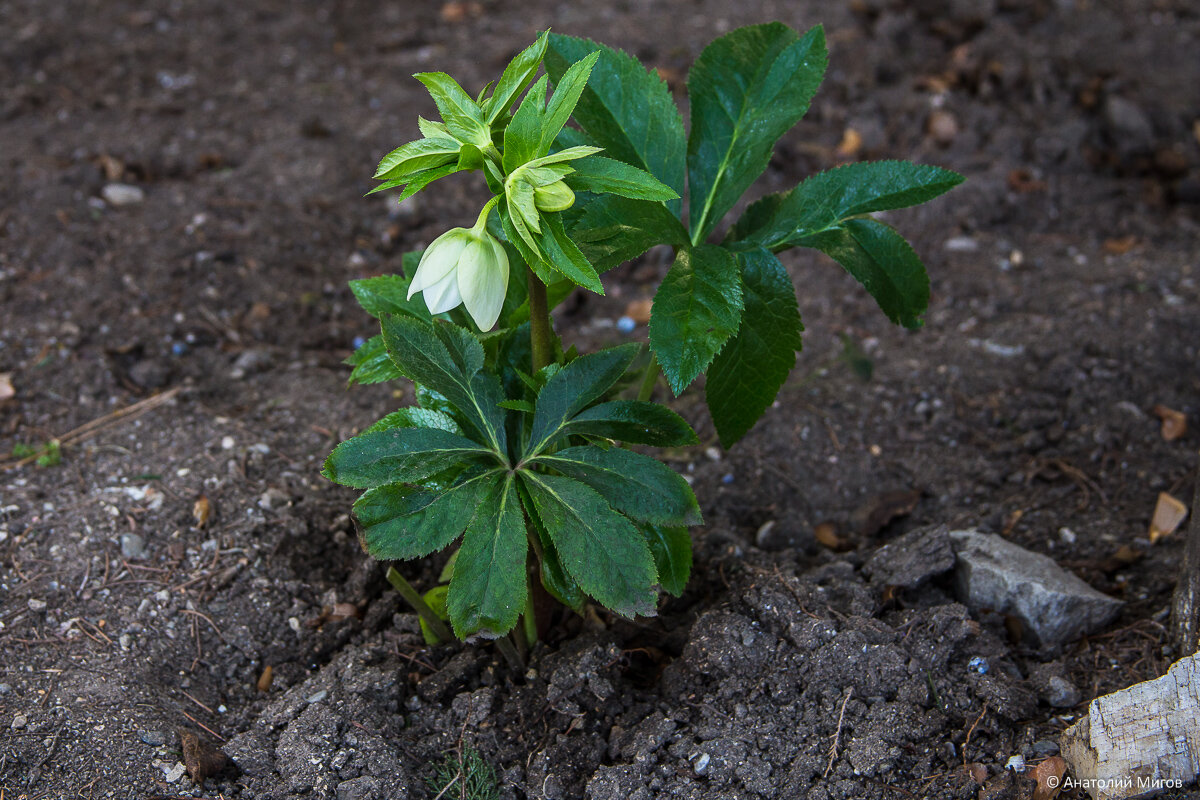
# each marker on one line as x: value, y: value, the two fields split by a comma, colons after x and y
x: 609, y: 176
x: 564, y: 255
x: 612, y: 230
x: 626, y: 109
x: 419, y: 350
x: 697, y: 308
x: 573, y: 388
x: 417, y: 182
x: 567, y: 90
x: 488, y: 589
x: 561, y: 586
x: 636, y: 485
x: 516, y: 76
x: 416, y: 417
x: 524, y: 132
x: 746, y: 90
x: 883, y: 262
x: 399, y: 455
x: 371, y: 363
x: 599, y: 548
x: 824, y: 200
x: 461, y: 115
x: 671, y: 548
x: 410, y: 158
x: 523, y: 406
x: 746, y: 375
x: 388, y: 294
x: 397, y: 522
x: 633, y: 421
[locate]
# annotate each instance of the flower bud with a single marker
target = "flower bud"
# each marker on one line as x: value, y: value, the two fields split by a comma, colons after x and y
x: 555, y: 197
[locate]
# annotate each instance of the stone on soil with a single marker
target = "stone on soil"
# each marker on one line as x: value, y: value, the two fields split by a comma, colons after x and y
x: 912, y: 559
x: 1054, y: 605
x: 1134, y: 739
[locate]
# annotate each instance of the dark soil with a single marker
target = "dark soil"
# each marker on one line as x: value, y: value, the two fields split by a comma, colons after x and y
x: 1064, y: 309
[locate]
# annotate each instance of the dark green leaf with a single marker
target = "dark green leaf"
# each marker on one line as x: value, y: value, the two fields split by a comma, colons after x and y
x: 398, y: 455
x: 697, y: 308
x: 416, y: 417
x: 574, y: 387
x: 564, y: 255
x: 566, y: 94
x: 517, y: 405
x: 746, y: 375
x: 462, y: 115
x: 388, y: 294
x: 882, y: 262
x: 397, y: 522
x: 371, y: 363
x: 626, y: 109
x: 422, y: 356
x: 634, y: 484
x: 613, y: 230
x: 598, y: 547
x: 746, y: 90
x: 609, y: 176
x: 633, y: 421
x: 561, y: 586
x: 516, y: 76
x: 827, y: 198
x: 487, y: 591
x: 672, y: 551
x: 524, y: 133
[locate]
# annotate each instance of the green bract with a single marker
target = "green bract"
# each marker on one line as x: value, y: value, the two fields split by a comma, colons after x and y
x: 517, y: 449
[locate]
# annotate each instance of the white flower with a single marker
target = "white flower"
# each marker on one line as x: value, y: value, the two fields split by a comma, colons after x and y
x: 465, y: 266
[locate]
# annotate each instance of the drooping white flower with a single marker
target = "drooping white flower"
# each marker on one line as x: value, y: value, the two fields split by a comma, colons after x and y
x: 466, y: 266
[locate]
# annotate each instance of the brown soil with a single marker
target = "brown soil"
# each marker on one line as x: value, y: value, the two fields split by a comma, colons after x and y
x: 1064, y: 309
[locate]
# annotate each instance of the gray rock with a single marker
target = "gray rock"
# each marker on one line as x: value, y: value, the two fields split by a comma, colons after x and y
x: 362, y: 788
x: 153, y: 738
x: 133, y: 546
x: 1054, y: 605
x: 1128, y: 128
x: 150, y: 373
x: 912, y: 559
x: 251, y: 361
x: 122, y: 194
x: 1053, y: 687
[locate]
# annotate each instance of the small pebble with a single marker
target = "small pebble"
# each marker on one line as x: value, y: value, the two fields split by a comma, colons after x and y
x: 978, y: 664
x: 318, y: 697
x: 626, y: 324
x: 178, y: 348
x: 175, y: 773
x: 1044, y: 748
x: 122, y: 194
x: 358, y: 342
x: 35, y: 605
x: 727, y: 478
x: 153, y: 738
x: 1016, y: 763
x: 702, y: 763
x: 133, y: 546
x: 19, y: 722
x: 227, y: 442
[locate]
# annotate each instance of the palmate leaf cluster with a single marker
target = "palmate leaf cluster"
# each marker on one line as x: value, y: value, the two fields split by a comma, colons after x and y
x: 523, y: 466
x: 508, y: 472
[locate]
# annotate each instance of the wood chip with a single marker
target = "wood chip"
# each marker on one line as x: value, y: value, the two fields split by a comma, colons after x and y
x: 265, y: 680
x: 639, y: 310
x: 1048, y: 775
x: 202, y: 761
x: 977, y: 772
x: 1169, y: 514
x: 850, y: 145
x: 6, y: 387
x: 201, y: 511
x: 1174, y: 423
x: 826, y: 534
x: 1119, y: 246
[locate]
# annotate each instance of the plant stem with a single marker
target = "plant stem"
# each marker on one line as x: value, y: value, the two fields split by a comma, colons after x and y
x: 530, y: 615
x: 506, y: 648
x: 541, y: 331
x: 419, y: 605
x: 649, y: 379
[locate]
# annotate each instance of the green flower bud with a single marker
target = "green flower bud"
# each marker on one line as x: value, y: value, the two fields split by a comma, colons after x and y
x: 555, y: 197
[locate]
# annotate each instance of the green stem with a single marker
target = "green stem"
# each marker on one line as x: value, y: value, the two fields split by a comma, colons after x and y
x: 649, y: 379
x: 530, y: 615
x: 509, y: 651
x: 419, y: 605
x: 541, y: 331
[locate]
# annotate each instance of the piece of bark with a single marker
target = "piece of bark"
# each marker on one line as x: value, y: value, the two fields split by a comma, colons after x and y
x: 1139, y: 739
x: 1185, y: 609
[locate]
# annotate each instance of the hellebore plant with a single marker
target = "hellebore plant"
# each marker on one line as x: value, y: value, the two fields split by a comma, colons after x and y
x: 519, y: 446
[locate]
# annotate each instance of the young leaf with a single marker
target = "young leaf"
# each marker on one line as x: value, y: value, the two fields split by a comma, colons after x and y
x: 409, y: 159
x: 566, y: 95
x: 696, y: 309
x: 827, y: 198
x: 487, y: 591
x: 609, y: 176
x: 462, y: 116
x: 371, y: 363
x: 573, y: 388
x: 524, y: 133
x: 564, y: 255
x: 672, y: 551
x: 883, y: 262
x: 626, y: 109
x: 422, y: 356
x: 419, y: 181
x: 399, y: 455
x: 633, y: 421
x: 746, y: 375
x: 388, y: 294
x: 746, y: 90
x: 397, y: 522
x: 612, y: 230
x: 636, y: 485
x: 600, y: 549
x: 517, y: 75
x: 416, y: 417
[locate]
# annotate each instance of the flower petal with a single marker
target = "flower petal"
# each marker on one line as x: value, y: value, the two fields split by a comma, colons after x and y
x: 439, y: 259
x: 443, y: 295
x: 483, y: 281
